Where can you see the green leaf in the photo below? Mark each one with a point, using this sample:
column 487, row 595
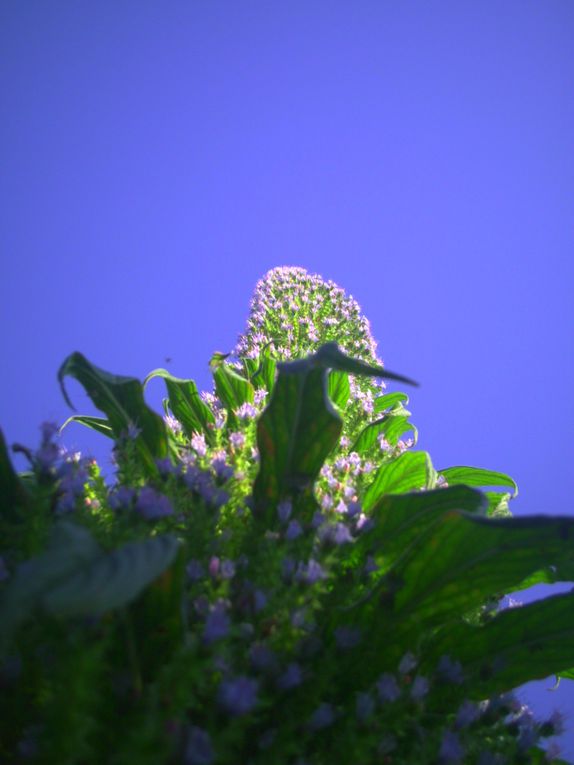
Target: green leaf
column 232, row 389
column 13, row 495
column 472, row 476
column 122, row 400
column 70, row 547
column 389, row 401
column 408, row 472
column 99, row 424
column 463, row 559
column 186, row 405
column 261, row 371
column 398, row 519
column 339, row 388
column 113, row 580
column 518, row 645
column 295, row 434
column 330, row 356
column 391, row 426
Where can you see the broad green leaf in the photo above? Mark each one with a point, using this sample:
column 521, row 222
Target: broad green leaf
column 566, row 673
column 391, row 426
column 157, row 616
column 520, row 644
column 261, row 371
column 408, row 472
column 339, row 388
column 400, row 518
column 70, row 547
column 186, row 404
column 463, row 559
column 99, row 424
column 472, row 476
column 13, row 495
column 389, row 401
column 295, row 434
column 122, row 400
column 112, row 580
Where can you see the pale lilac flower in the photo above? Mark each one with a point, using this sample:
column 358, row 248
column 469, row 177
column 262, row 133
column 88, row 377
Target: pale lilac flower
column 133, row 431
column 326, row 502
column 387, row 688
column 239, row 695
column 152, row 505
column 322, row 717
column 198, row 443
column 451, row 749
column 198, row 747
column 260, row 395
column 246, row 411
column 237, row 439
column 173, row 424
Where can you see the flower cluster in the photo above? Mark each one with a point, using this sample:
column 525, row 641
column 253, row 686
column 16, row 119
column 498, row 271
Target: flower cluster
column 249, row 647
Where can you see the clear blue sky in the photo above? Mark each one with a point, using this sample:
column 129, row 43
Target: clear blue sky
column 158, row 158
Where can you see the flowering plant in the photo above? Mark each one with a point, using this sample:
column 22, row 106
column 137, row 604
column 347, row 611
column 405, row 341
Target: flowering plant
column 274, row 574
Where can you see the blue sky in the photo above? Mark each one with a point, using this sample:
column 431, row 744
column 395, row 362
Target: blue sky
column 158, row 158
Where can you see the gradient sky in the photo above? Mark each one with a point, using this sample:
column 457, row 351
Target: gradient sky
column 158, row 158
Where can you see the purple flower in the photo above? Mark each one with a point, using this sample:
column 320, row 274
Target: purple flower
column 227, row 570
column 407, row 663
column 198, row 443
column 194, row 570
column 294, row 530
column 198, row 747
column 173, row 424
column 419, row 688
column 66, row 503
column 121, row 497
column 222, row 470
column 365, row 706
column 388, row 688
column 450, row 671
column 322, row 717
column 467, row 714
column 335, row 533
column 246, row 411
column 284, row 510
column 238, row 696
column 237, row 440
column 450, row 749
column 310, row 573
column 216, row 624
column 347, row 637
column 292, row 677
column 152, row 505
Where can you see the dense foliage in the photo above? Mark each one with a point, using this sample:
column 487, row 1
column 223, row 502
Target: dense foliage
column 274, row 575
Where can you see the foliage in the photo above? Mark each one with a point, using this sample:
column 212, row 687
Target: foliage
column 274, row 575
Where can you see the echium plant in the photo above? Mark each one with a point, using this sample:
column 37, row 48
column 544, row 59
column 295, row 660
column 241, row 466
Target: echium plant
column 274, row 575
